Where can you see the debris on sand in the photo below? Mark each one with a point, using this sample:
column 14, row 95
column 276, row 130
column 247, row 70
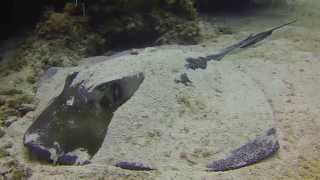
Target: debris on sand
column 133, row 166
column 184, row 79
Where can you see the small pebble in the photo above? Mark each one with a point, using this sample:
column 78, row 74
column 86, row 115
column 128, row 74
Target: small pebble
column 134, row 52
column 184, row 79
column 183, row 155
column 285, row 148
column 10, row 120
column 8, row 145
column 25, row 108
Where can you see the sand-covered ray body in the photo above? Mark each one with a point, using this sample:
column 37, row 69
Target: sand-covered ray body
column 164, row 124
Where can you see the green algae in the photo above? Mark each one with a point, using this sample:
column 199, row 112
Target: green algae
column 163, row 21
column 5, row 91
column 12, row 103
column 173, row 29
column 3, row 153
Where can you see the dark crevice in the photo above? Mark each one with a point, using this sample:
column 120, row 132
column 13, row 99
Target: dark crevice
column 222, row 5
column 234, row 6
column 17, row 16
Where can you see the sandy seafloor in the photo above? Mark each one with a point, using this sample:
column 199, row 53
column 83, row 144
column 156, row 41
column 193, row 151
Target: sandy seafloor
column 279, row 79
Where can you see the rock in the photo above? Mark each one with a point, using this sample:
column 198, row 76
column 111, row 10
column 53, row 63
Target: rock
column 16, row 170
column 4, row 153
column 7, row 145
column 25, row 108
column 134, row 52
column 184, row 79
column 10, row 120
column 2, row 132
column 252, row 152
column 168, row 21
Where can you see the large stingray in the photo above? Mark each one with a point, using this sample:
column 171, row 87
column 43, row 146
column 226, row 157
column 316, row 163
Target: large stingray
column 218, row 110
column 71, row 129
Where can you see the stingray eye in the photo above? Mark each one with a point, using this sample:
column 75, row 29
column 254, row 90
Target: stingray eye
column 70, row 101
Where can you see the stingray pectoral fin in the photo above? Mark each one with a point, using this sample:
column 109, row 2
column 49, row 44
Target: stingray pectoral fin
column 39, row 151
column 254, row 151
column 73, row 159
